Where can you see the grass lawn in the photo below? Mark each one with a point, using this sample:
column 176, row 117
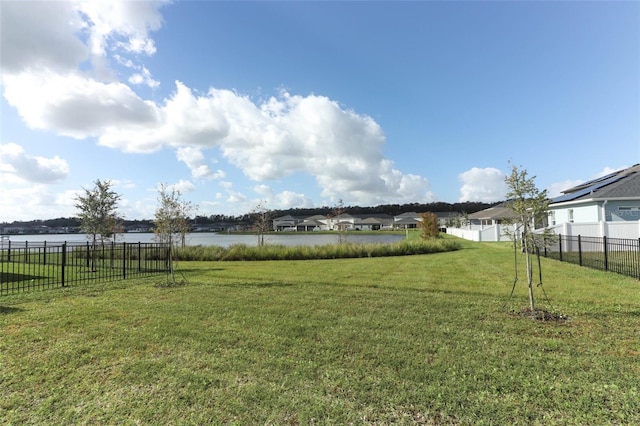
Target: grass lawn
column 422, row 339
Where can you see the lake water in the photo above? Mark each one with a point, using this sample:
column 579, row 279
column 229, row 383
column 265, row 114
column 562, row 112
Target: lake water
column 225, row 240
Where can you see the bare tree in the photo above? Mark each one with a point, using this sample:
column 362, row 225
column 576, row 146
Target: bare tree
column 262, row 222
column 98, row 214
column 531, row 207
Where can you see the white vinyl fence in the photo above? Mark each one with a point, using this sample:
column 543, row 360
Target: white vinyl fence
column 483, row 232
column 626, row 229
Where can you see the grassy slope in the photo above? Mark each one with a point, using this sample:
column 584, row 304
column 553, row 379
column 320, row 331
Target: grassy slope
column 406, row 340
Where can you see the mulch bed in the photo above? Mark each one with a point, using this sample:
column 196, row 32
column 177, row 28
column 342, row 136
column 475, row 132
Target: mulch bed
column 541, row 315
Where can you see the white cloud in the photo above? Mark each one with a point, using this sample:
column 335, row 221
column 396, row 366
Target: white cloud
column 34, row 201
column 194, row 159
column 264, row 191
column 75, row 106
column 50, row 84
column 236, row 197
column 143, row 78
column 483, row 185
column 28, row 43
column 291, row 199
column 182, row 186
column 555, row 189
column 124, row 183
column 281, row 200
column 28, row 168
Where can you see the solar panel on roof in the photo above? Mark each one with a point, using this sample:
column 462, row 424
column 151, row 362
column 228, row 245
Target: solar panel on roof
column 607, row 180
column 592, row 182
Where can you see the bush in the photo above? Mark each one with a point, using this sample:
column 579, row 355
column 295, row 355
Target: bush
column 328, row 251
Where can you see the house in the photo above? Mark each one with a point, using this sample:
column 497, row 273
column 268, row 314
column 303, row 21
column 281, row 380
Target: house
column 345, row 222
column 495, row 215
column 407, row 220
column 287, row 223
column 313, row 223
column 372, row 223
column 606, row 206
column 490, row 224
column 611, row 198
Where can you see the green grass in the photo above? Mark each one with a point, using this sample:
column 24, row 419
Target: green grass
column 416, row 339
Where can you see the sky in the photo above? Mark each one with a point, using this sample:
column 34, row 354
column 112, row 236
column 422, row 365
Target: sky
column 289, row 104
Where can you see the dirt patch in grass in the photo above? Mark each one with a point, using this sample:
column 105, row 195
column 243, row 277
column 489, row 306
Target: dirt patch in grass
column 541, row 315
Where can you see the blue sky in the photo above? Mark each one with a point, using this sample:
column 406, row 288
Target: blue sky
column 301, row 104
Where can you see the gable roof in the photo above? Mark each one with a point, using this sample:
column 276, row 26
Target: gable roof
column 497, row 212
column 624, row 183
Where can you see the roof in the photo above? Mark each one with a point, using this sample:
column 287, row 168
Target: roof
column 497, row 212
column 288, row 217
column 407, row 214
column 624, row 183
column 370, row 221
column 407, row 221
column 310, row 222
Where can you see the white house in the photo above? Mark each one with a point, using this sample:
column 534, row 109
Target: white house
column 609, row 205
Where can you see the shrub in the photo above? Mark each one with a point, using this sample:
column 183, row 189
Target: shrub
column 328, row 251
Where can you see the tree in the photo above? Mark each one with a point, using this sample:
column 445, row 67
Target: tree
column 530, row 206
column 172, row 217
column 98, row 214
column 261, row 222
column 337, row 213
column 171, row 223
column 429, row 227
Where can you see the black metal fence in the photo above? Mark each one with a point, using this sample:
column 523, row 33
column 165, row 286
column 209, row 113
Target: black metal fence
column 28, row 266
column 608, row 254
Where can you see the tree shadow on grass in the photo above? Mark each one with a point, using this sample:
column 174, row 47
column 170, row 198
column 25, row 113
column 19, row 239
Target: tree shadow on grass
column 258, row 284
column 10, row 277
column 9, row 310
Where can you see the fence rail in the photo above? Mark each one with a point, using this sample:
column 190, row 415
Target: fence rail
column 29, row 266
column 620, row 255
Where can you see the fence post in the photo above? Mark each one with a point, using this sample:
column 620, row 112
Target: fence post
column 9, row 252
column 44, row 254
column 560, row 246
column 139, row 256
column 26, row 252
column 124, row 260
column 64, row 260
column 579, row 250
column 606, row 253
column 88, row 254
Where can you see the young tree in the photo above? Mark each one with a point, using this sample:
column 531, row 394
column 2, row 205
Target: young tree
column 429, row 227
column 530, row 206
column 337, row 213
column 261, row 222
column 98, row 213
column 172, row 217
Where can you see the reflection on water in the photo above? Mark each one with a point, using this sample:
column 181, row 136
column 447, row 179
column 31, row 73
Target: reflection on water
column 225, row 240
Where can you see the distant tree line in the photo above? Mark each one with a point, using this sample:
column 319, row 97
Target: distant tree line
column 248, row 218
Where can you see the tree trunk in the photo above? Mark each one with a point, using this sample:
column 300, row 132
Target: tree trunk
column 527, row 254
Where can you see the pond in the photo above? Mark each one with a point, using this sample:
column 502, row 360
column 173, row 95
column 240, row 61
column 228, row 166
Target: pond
column 226, row 240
